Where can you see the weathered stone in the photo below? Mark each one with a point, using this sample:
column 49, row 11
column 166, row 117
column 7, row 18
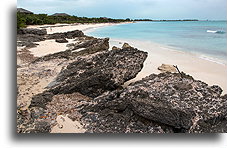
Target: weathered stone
column 109, row 114
column 185, row 104
column 39, row 32
column 94, row 75
column 93, row 43
column 167, row 68
column 68, row 35
column 30, row 38
column 62, row 40
column 115, row 48
column 126, row 45
column 41, row 100
column 172, row 100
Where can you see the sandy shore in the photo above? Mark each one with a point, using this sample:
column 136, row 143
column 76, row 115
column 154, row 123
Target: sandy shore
column 201, row 69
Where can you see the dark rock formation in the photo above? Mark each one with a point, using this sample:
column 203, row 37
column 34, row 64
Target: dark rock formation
column 110, row 114
column 68, row 35
column 41, row 100
column 169, row 99
column 62, row 40
column 93, row 43
column 39, row 32
column 30, row 38
column 105, row 71
column 175, row 104
column 27, row 37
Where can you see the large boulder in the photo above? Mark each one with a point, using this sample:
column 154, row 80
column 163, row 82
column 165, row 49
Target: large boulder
column 176, row 100
column 96, row 74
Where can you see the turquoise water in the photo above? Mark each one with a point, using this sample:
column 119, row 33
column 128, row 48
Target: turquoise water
column 191, row 37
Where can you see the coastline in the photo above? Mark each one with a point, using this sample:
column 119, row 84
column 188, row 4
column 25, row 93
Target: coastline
column 199, row 67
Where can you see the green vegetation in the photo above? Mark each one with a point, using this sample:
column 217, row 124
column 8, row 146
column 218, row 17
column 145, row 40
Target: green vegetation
column 39, row 19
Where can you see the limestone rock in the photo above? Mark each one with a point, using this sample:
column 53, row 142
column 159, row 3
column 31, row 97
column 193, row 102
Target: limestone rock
column 167, row 68
column 39, row 32
column 126, row 45
column 94, row 75
column 68, row 35
column 185, row 104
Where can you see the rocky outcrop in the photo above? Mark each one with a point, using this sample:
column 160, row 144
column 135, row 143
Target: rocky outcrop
column 109, row 113
column 182, row 103
column 68, row 35
column 167, row 68
column 96, row 74
column 94, row 43
column 39, row 32
column 27, row 36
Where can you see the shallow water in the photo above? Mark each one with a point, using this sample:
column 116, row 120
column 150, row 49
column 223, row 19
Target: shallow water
column 199, row 37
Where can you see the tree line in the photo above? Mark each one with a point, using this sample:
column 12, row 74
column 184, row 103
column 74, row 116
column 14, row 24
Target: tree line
column 40, row 19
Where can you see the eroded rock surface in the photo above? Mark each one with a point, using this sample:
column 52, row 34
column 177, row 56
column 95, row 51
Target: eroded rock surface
column 96, row 74
column 182, row 103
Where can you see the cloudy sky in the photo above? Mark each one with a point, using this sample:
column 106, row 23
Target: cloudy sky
column 154, row 9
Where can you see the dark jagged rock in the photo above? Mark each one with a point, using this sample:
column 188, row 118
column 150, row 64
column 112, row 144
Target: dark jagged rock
column 30, row 38
column 109, row 114
column 68, row 35
column 100, row 45
column 39, row 32
column 105, row 71
column 27, row 37
column 179, row 104
column 175, row 101
column 40, row 127
column 40, row 100
column 93, row 43
column 62, row 40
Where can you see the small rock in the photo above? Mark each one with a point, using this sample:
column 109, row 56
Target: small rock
column 167, row 68
column 62, row 40
column 115, row 48
column 126, row 45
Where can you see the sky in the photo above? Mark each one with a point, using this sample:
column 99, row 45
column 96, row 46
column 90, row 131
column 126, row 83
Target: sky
column 152, row 9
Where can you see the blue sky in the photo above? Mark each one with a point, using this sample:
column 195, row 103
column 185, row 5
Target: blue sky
column 153, row 9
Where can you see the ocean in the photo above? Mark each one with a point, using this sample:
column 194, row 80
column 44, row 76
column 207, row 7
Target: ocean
column 208, row 39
